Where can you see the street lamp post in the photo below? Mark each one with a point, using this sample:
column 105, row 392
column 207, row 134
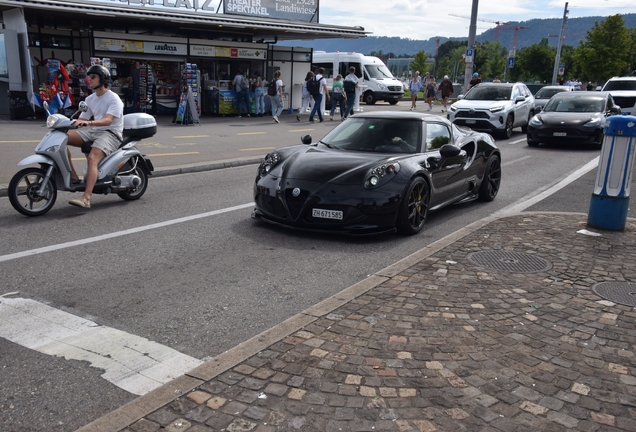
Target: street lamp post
column 557, row 59
column 472, row 33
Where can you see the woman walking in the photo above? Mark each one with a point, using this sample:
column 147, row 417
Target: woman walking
column 277, row 99
column 339, row 97
column 259, row 94
column 431, row 88
column 414, row 87
column 306, row 96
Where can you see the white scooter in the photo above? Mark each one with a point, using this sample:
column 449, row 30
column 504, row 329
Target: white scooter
column 33, row 191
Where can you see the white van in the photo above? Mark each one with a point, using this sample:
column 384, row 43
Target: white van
column 376, row 81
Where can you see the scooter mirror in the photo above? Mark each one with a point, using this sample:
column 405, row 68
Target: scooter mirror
column 83, row 107
column 45, row 105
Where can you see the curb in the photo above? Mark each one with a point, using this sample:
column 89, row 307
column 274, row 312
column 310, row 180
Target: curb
column 142, row 406
column 184, row 169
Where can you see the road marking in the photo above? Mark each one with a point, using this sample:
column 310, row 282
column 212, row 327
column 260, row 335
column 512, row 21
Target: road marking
column 192, row 136
column 258, row 149
column 132, row 363
column 515, row 161
column 21, row 141
column 301, row 130
column 251, row 133
column 533, row 198
column 88, row 240
column 518, row 141
column 173, row 154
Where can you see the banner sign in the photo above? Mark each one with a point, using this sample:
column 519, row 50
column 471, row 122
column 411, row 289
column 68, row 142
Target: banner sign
column 294, row 10
column 226, row 52
column 165, row 48
column 118, row 45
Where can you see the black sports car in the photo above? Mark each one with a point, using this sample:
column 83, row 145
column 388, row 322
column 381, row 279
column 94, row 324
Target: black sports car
column 572, row 118
column 376, row 172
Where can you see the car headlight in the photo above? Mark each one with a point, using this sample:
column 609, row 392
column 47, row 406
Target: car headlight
column 269, row 161
column 381, row 174
column 594, row 122
column 536, row 121
column 497, row 108
column 453, row 108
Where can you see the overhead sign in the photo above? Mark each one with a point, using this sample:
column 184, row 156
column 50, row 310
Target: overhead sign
column 469, row 56
column 239, row 53
column 511, row 62
column 120, row 45
column 183, row 5
column 294, row 10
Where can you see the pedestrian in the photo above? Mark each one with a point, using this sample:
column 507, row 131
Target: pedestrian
column 133, row 82
column 318, row 98
column 259, row 94
column 223, row 75
column 104, row 134
column 446, row 88
column 339, row 97
column 277, row 99
column 474, row 81
column 589, row 86
column 414, row 87
column 431, row 89
column 241, row 85
column 496, row 80
column 306, row 96
column 350, row 85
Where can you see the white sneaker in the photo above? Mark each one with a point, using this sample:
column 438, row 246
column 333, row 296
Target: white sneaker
column 276, row 119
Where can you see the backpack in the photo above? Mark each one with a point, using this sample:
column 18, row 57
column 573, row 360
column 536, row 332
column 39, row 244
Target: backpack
column 244, row 84
column 313, row 85
column 271, row 88
column 349, row 86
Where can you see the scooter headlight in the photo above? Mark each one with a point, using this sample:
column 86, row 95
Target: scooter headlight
column 52, row 120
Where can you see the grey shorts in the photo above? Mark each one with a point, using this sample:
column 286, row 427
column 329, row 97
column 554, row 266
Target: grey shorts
column 104, row 140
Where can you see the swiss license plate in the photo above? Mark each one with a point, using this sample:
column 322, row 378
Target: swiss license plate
column 471, row 121
column 559, row 134
column 326, row 214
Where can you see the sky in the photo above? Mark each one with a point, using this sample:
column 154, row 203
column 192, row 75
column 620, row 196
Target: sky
column 423, row 19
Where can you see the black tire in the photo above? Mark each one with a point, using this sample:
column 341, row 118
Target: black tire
column 393, row 102
column 22, row 192
column 135, row 194
column 507, row 132
column 492, row 179
column 369, row 98
column 414, row 207
column 524, row 128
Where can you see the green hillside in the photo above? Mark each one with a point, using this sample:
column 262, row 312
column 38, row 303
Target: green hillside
column 538, row 29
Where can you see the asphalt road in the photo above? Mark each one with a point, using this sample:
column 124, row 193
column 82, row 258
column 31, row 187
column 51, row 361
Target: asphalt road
column 203, row 285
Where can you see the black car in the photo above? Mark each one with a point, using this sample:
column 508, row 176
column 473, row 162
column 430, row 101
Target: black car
column 572, row 118
column 376, row 172
column 544, row 94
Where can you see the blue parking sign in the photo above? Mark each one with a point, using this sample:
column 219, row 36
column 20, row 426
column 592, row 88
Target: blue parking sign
column 511, row 62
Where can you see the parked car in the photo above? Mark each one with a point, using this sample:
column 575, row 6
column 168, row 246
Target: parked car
column 545, row 93
column 376, row 172
column 572, row 118
column 623, row 91
column 494, row 107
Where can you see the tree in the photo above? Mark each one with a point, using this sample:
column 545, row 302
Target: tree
column 606, row 51
column 492, row 60
column 419, row 62
column 534, row 63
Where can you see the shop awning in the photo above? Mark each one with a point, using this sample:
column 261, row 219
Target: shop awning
column 259, row 28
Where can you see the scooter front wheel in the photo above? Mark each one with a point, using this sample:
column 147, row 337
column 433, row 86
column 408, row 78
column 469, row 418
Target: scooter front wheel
column 23, row 192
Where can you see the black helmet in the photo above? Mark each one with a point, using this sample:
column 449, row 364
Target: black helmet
column 102, row 72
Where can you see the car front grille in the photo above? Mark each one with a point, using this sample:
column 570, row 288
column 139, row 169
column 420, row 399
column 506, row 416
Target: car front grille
column 295, row 204
column 474, row 114
column 272, row 206
column 394, row 88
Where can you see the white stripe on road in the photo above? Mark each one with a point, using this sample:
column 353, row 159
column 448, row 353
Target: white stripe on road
column 518, row 141
column 515, row 161
column 535, row 197
column 119, row 233
column 132, row 363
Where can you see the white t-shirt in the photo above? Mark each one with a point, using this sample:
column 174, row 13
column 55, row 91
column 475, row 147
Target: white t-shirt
column 322, row 81
column 279, row 87
column 99, row 106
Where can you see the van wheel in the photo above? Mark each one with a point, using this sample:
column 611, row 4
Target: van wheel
column 393, row 102
column 369, row 98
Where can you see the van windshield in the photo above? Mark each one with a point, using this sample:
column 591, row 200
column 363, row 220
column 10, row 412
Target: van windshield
column 378, row 71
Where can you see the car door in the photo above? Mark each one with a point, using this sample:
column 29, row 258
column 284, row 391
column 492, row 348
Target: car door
column 447, row 174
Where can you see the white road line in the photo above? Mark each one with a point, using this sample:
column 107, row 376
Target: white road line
column 518, row 141
column 132, row 363
column 119, row 233
column 515, row 161
column 533, row 198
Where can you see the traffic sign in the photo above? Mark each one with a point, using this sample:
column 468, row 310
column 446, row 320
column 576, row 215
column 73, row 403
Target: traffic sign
column 511, row 62
column 561, row 70
column 469, row 56
column 562, row 65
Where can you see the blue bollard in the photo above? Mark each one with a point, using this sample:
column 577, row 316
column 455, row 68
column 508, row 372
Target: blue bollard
column 610, row 200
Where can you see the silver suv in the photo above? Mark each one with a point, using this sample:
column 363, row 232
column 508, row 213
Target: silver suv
column 494, row 107
column 623, row 91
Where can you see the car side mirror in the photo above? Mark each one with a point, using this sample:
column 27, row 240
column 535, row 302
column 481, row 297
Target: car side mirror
column 520, row 99
column 538, row 109
column 306, row 139
column 461, row 96
column 615, row 110
column 449, row 150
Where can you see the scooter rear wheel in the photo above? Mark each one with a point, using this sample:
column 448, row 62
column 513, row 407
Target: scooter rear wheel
column 135, row 194
column 23, row 192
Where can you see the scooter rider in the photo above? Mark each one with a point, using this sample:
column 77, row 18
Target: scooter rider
column 105, row 133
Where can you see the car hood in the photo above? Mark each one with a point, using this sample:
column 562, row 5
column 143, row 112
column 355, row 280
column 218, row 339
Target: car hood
column 324, row 165
column 482, row 105
column 570, row 119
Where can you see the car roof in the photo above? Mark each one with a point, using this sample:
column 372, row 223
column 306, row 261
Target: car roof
column 579, row 94
column 626, row 78
column 550, row 87
column 491, row 84
column 400, row 115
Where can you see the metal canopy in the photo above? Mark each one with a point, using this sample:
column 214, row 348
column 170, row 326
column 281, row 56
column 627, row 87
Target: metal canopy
column 258, row 28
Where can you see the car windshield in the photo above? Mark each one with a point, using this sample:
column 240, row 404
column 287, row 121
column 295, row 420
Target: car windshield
column 376, row 135
column 547, row 93
column 489, row 93
column 620, row 85
column 378, row 71
column 577, row 104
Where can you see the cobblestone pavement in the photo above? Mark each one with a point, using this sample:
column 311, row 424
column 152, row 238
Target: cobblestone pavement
column 448, row 343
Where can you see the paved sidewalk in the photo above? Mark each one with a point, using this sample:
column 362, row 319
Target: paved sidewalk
column 493, row 328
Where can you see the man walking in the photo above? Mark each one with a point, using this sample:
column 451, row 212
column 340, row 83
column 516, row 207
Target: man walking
column 318, row 97
column 446, row 88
